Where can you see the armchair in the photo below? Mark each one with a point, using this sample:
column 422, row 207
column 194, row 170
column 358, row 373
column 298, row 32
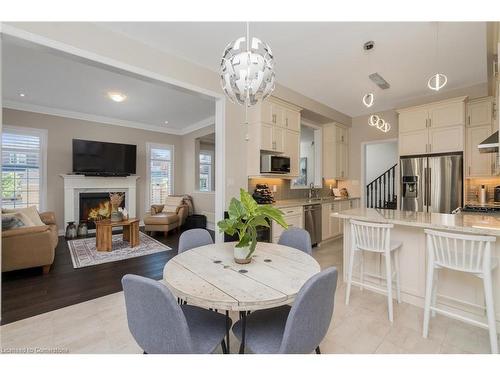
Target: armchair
column 28, row 247
column 165, row 217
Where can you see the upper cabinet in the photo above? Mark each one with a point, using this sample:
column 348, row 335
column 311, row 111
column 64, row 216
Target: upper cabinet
column 480, row 112
column 335, row 151
column 273, row 127
column 291, row 120
column 479, row 127
column 432, row 128
column 413, row 119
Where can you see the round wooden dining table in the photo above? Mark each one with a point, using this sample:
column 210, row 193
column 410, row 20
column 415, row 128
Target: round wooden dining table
column 208, row 276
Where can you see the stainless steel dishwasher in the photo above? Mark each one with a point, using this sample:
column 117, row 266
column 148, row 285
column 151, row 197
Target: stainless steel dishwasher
column 312, row 222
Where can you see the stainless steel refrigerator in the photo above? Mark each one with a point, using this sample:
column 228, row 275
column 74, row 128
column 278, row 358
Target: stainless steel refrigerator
column 432, row 183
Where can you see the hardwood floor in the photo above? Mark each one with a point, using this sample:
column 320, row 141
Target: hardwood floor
column 26, row 293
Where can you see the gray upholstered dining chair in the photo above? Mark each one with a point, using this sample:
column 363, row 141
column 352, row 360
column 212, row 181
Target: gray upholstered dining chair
column 159, row 325
column 194, row 238
column 293, row 330
column 297, row 238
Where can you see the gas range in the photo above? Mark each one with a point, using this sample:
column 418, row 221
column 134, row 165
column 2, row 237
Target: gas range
column 490, row 208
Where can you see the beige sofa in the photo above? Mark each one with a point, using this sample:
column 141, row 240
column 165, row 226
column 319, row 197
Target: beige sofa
column 165, row 217
column 28, row 247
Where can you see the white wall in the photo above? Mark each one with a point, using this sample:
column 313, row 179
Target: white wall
column 379, row 157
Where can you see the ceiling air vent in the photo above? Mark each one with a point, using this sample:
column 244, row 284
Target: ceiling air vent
column 379, row 81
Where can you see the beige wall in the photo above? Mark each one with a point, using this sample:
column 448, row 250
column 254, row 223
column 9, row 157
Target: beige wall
column 203, row 201
column 62, row 130
column 90, row 39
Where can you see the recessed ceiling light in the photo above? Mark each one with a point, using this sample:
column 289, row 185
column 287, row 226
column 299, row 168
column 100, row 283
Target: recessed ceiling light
column 117, row 96
column 166, row 122
column 22, row 94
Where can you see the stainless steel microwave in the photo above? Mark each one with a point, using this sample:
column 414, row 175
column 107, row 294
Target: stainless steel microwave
column 274, row 164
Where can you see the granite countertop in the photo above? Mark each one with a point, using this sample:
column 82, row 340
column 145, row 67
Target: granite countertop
column 286, row 203
column 485, row 224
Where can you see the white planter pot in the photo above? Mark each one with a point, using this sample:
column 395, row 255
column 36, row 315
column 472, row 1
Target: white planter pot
column 241, row 253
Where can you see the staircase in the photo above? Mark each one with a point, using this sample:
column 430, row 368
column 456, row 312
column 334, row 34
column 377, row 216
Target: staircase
column 381, row 192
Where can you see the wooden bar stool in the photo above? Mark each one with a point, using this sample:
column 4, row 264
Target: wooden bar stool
column 464, row 253
column 375, row 238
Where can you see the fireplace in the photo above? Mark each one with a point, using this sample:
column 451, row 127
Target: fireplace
column 95, row 206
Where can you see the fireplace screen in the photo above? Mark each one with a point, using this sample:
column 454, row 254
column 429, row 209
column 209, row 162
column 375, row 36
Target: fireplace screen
column 94, row 207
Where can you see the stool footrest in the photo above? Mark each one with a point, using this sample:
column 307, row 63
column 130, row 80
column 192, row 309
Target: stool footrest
column 370, row 287
column 459, row 317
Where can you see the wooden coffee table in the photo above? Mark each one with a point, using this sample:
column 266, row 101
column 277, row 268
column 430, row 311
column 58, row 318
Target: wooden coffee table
column 104, row 233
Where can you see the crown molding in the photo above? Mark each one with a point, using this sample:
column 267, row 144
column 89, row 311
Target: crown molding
column 12, row 104
column 209, row 121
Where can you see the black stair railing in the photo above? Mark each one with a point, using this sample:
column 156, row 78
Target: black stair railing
column 381, row 192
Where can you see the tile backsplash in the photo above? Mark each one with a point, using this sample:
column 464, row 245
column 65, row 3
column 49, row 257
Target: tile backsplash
column 472, row 186
column 284, row 191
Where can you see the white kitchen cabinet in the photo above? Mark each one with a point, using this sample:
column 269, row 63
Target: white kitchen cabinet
column 480, row 112
column 332, row 226
column 268, row 112
column 414, row 142
column 341, row 135
column 325, row 221
column 446, row 139
column 477, row 164
column 266, row 137
column 291, row 120
column 270, row 127
column 445, row 114
column 432, row 128
column 328, row 150
column 278, row 139
column 335, row 151
column 292, row 149
column 341, row 160
column 293, row 216
column 412, row 120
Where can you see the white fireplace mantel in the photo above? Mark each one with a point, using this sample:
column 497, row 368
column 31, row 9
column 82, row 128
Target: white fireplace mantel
column 75, row 184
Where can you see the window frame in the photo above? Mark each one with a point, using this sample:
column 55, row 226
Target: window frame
column 43, row 135
column 210, row 173
column 149, row 146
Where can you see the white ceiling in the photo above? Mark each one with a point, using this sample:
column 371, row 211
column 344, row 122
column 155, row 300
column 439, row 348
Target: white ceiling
column 326, row 62
column 55, row 83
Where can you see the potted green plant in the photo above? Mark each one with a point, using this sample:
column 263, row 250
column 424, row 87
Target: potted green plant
column 245, row 215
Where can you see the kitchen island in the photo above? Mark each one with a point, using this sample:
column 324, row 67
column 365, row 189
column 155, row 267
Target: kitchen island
column 457, row 292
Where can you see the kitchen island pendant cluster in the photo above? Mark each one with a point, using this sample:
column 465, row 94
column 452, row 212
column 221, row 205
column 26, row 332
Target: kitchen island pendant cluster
column 379, row 122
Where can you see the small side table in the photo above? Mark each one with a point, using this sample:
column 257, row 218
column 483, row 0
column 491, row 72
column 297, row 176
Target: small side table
column 104, row 233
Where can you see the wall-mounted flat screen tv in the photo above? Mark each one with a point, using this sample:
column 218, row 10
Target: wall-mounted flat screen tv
column 94, row 158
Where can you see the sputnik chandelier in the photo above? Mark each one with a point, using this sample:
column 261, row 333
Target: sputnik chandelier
column 379, row 122
column 247, row 70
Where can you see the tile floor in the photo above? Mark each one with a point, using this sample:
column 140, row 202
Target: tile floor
column 100, row 326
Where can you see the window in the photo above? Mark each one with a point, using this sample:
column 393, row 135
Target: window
column 23, row 167
column 205, row 171
column 160, row 172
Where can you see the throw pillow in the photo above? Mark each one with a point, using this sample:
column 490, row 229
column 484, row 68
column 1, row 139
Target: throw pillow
column 15, row 220
column 172, row 203
column 31, row 212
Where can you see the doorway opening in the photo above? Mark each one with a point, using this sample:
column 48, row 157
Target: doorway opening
column 380, row 174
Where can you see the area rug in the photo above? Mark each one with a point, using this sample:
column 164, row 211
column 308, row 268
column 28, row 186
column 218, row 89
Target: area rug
column 84, row 253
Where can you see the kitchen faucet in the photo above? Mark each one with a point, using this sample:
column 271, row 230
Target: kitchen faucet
column 312, row 191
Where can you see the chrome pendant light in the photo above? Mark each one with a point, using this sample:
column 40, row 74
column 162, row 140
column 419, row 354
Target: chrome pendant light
column 247, row 70
column 438, row 80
